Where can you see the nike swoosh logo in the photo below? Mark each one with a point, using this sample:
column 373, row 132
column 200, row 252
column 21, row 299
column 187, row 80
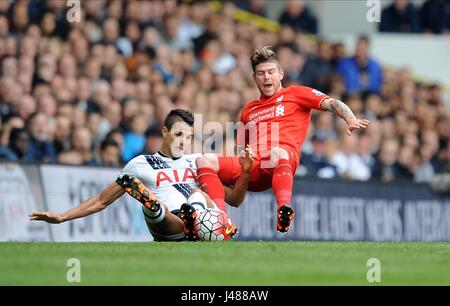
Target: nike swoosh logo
column 228, row 230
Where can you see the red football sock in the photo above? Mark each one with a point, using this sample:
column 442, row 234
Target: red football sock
column 208, row 179
column 282, row 182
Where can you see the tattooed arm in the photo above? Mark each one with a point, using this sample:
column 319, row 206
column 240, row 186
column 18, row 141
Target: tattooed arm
column 343, row 111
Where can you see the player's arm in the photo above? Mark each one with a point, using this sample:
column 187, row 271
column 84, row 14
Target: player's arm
column 90, row 206
column 343, row 111
column 235, row 195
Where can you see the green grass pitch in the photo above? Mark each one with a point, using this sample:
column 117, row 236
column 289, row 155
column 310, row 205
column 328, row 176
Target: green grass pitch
column 225, row 263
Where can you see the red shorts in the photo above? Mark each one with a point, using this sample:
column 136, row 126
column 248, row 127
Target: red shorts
column 260, row 175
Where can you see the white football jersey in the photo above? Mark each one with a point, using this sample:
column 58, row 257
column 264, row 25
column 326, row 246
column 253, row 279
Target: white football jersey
column 170, row 179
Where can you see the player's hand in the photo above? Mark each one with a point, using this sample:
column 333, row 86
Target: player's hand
column 355, row 124
column 246, row 159
column 47, row 216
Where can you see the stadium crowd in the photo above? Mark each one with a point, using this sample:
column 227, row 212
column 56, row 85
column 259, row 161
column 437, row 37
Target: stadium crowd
column 96, row 92
column 405, row 16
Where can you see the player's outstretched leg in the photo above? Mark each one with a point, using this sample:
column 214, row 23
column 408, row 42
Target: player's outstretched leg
column 282, row 184
column 163, row 225
column 135, row 188
column 207, row 168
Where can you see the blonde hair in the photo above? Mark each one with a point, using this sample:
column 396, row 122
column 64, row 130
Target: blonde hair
column 262, row 55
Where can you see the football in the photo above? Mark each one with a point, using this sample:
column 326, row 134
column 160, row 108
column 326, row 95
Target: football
column 213, row 225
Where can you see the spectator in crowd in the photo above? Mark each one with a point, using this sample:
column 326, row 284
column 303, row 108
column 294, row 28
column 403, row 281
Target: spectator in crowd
column 46, row 69
column 4, row 26
column 108, row 155
column 325, row 126
column 8, row 125
column 117, row 136
column 25, row 107
column 319, row 69
column 298, row 16
column 82, row 146
column 257, row 7
column 112, row 114
column 400, row 16
column 292, row 63
column 442, row 130
column 18, row 146
column 154, row 140
column 83, row 96
column 348, row 162
column 47, row 105
column 435, row 16
column 317, row 162
column 366, row 149
column 361, row 72
column 430, row 138
column 215, row 58
column 134, row 140
column 407, row 161
column 173, row 37
column 386, row 167
column 424, row 170
column 62, row 134
column 98, row 128
column 40, row 147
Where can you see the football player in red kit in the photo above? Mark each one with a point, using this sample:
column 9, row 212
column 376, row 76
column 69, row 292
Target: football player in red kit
column 277, row 125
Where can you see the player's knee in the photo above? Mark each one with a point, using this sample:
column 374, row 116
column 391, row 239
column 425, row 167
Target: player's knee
column 194, row 190
column 207, row 161
column 278, row 153
column 201, row 162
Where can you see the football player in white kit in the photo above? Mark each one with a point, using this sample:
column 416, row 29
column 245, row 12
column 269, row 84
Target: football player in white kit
column 165, row 183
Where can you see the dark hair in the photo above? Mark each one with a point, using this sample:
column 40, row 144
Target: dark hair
column 14, row 134
column 364, row 38
column 153, row 131
column 262, row 55
column 178, row 115
column 108, row 142
column 113, row 131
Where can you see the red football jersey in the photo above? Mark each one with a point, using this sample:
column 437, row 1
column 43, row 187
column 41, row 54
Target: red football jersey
column 281, row 120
